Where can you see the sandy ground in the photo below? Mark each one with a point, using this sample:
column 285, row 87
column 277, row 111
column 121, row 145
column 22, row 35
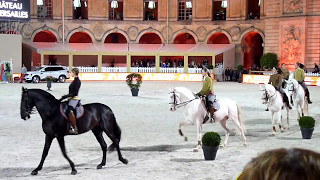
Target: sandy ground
column 150, row 139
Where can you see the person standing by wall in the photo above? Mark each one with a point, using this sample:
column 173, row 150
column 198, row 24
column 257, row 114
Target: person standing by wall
column 23, row 73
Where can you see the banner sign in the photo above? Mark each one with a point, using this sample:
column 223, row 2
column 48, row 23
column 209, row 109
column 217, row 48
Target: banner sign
column 15, row 10
column 263, row 79
column 145, row 76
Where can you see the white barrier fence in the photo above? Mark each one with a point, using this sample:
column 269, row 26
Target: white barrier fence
column 113, row 69
column 143, row 69
column 138, row 69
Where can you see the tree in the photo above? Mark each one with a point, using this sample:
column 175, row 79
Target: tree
column 269, row 60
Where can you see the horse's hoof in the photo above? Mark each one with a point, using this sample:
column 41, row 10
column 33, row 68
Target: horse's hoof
column 74, row 172
column 99, row 166
column 245, row 144
column 185, row 138
column 221, row 145
column 195, row 150
column 273, row 134
column 34, row 172
column 124, row 161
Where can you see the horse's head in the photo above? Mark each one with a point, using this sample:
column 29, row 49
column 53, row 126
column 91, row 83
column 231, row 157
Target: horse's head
column 174, row 99
column 267, row 92
column 26, row 105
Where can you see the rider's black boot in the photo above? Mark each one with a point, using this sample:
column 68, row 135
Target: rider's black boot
column 308, row 96
column 286, row 100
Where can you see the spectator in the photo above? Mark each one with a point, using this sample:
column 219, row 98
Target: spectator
column 284, row 164
column 23, row 73
column 316, row 68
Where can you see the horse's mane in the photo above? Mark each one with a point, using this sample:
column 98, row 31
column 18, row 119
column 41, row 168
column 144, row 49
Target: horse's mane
column 43, row 93
column 188, row 93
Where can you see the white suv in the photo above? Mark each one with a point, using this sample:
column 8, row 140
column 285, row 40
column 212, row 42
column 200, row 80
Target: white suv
column 59, row 73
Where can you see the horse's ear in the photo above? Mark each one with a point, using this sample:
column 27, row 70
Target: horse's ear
column 262, row 87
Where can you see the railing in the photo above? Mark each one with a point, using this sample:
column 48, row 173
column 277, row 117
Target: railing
column 87, row 69
column 138, row 69
column 171, row 70
column 312, row 74
column 113, row 69
column 143, row 69
column 194, row 70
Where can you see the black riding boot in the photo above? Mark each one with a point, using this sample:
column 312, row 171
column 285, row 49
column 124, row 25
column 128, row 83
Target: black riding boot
column 286, row 100
column 212, row 113
column 308, row 96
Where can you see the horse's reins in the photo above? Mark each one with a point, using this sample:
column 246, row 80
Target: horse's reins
column 178, row 105
column 269, row 98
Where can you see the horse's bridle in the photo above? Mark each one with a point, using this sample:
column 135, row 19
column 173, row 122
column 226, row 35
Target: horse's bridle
column 26, row 104
column 294, row 90
column 178, row 105
column 268, row 98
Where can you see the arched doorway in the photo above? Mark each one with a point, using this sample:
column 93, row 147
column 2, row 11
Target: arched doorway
column 218, row 38
column 115, row 38
column 252, row 50
column 184, row 38
column 80, row 37
column 44, row 36
column 150, row 38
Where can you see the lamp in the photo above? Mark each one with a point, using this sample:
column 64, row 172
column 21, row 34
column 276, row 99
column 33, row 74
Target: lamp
column 224, row 4
column 188, row 5
column 151, row 5
column 259, row 2
column 114, row 4
column 40, row 2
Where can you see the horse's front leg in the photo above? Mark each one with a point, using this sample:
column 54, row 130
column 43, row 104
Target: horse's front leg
column 223, row 123
column 199, row 136
column 63, row 149
column 280, row 123
column 44, row 154
column 288, row 117
column 186, row 123
column 273, row 126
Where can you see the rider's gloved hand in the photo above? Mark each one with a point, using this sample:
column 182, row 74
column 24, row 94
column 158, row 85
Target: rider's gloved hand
column 198, row 94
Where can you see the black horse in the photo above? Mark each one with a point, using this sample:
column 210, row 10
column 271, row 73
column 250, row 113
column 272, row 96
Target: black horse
column 97, row 117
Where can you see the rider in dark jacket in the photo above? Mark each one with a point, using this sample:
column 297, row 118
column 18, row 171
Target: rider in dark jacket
column 73, row 99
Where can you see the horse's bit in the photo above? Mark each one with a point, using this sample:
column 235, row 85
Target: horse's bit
column 268, row 98
column 178, row 105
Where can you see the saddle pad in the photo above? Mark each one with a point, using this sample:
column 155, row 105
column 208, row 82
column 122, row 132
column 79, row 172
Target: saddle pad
column 64, row 107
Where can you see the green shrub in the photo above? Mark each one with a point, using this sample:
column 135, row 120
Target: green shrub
column 211, row 139
column 209, row 66
column 239, row 68
column 134, row 77
column 269, row 60
column 306, row 122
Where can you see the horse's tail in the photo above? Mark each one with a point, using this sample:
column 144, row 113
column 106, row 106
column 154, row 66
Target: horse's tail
column 117, row 133
column 240, row 121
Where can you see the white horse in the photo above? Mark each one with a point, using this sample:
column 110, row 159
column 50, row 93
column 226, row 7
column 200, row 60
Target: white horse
column 299, row 99
column 195, row 112
column 273, row 99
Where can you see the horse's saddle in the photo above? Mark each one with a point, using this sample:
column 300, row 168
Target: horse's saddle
column 215, row 104
column 79, row 110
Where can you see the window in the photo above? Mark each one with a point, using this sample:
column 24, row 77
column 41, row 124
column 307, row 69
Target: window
column 44, row 8
column 115, row 10
column 219, row 8
column 150, row 8
column 184, row 10
column 80, row 9
column 253, row 9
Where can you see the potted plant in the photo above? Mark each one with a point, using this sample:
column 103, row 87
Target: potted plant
column 134, row 81
column 8, row 72
column 210, row 145
column 269, row 60
column 306, row 124
column 49, row 80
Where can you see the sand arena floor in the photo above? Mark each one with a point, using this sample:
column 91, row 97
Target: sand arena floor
column 150, row 139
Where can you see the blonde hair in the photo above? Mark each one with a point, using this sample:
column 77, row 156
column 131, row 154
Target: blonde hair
column 284, row 164
column 75, row 71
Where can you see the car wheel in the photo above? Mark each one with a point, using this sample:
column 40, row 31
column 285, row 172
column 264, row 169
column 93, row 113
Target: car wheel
column 62, row 79
column 35, row 79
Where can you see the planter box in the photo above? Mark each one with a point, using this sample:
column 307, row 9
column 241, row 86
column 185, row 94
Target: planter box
column 210, row 152
column 134, row 92
column 306, row 133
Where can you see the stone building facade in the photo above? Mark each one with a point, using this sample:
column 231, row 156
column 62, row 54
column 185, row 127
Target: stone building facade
column 289, row 28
